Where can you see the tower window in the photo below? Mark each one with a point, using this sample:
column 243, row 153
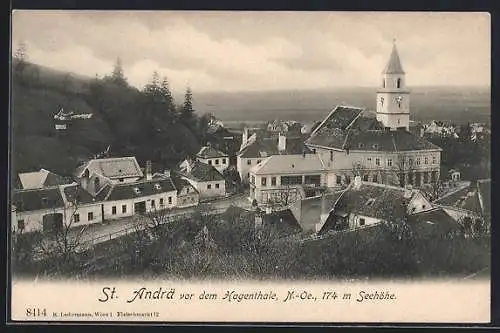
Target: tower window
column 398, row 83
column 383, row 84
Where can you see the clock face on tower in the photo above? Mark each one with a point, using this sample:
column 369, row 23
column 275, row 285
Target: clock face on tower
column 399, row 99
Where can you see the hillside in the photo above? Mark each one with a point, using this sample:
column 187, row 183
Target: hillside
column 120, row 119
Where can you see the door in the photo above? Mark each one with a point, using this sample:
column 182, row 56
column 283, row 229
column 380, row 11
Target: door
column 52, row 222
column 140, row 207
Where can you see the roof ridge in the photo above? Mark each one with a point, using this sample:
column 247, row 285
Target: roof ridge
column 355, row 118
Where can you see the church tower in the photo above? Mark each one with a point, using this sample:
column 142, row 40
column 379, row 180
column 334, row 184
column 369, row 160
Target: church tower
column 393, row 99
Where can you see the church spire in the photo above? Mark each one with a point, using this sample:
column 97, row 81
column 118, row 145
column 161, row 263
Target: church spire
column 394, row 64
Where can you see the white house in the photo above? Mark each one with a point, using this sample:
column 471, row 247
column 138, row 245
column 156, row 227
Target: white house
column 283, row 179
column 203, row 177
column 211, row 156
column 258, row 147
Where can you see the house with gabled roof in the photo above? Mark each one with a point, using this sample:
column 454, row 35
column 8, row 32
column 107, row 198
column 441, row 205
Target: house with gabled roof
column 259, row 146
column 187, row 194
column 364, row 204
column 214, row 157
column 117, row 169
column 379, row 145
column 203, row 177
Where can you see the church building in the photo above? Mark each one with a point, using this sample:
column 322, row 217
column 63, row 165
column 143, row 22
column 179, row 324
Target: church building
column 377, row 146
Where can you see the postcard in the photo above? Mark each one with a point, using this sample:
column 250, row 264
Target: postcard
column 250, row 167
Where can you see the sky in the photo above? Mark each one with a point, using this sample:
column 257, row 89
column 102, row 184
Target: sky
column 236, row 51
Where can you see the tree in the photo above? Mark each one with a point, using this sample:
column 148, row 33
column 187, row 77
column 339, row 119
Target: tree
column 61, row 244
column 403, row 167
column 187, row 115
column 117, row 76
column 21, row 58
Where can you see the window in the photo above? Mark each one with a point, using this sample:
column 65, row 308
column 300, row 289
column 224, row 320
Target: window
column 331, row 155
column 124, row 208
column 76, row 218
column 339, row 180
column 398, row 83
column 96, row 182
column 258, row 161
column 291, row 180
column 423, row 206
column 20, row 224
column 169, row 200
column 361, row 222
column 209, row 186
column 273, row 181
column 217, row 185
column 348, row 179
column 120, row 180
column 312, row 179
column 389, row 162
column 365, row 178
column 90, row 216
column 375, row 179
column 314, row 150
column 113, row 210
column 217, row 161
column 434, row 159
column 209, row 162
column 418, row 160
column 223, row 161
column 426, row 160
column 263, row 181
column 383, row 86
column 369, row 160
column 377, row 161
column 153, row 204
column 249, row 162
column 253, row 179
column 161, row 202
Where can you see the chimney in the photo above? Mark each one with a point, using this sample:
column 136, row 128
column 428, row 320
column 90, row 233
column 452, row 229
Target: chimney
column 357, row 182
column 281, row 142
column 166, row 173
column 148, row 171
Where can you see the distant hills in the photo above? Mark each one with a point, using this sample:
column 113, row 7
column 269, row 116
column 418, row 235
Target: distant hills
column 39, row 94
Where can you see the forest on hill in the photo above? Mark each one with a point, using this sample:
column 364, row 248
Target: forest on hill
column 147, row 123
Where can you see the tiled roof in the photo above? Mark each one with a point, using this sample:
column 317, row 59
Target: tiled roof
column 210, row 152
column 201, row 172
column 145, row 187
column 289, row 164
column 180, row 183
column 394, row 64
column 36, row 199
column 39, row 179
column 358, row 129
column 267, row 146
column 74, row 193
column 374, row 200
column 466, row 198
column 112, row 167
column 432, row 222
